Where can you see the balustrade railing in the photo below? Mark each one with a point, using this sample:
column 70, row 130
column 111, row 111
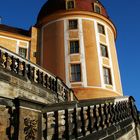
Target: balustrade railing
column 86, row 118
column 23, row 67
column 102, row 119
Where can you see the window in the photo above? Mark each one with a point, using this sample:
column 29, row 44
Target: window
column 70, row 4
column 75, row 72
column 107, row 76
column 22, row 52
column 104, row 50
column 97, row 9
column 101, row 29
column 73, row 24
column 74, row 47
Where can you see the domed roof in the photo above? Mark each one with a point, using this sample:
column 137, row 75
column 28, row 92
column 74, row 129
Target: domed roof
column 53, row 6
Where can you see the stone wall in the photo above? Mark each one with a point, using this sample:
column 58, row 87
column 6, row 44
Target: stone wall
column 13, row 86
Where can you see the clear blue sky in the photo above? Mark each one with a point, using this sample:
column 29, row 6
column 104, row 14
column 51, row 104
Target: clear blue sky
column 124, row 13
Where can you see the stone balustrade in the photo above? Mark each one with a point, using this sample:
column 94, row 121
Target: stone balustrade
column 100, row 119
column 34, row 73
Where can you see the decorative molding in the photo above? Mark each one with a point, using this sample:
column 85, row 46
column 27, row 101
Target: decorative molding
column 82, row 57
column 30, row 128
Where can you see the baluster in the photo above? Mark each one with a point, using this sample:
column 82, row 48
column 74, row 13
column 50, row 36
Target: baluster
column 92, row 116
column 53, row 85
column 17, row 66
column 65, row 96
column 7, row 62
column 71, row 129
column 125, row 110
column 89, row 126
column 56, row 125
column 128, row 112
column 20, row 70
column 120, row 111
column 46, row 81
column 38, row 76
column 63, row 92
column 57, row 86
column 75, row 132
column 13, row 64
column 61, row 124
column 86, row 120
column 50, row 83
column 42, row 78
column 5, row 59
column 66, row 134
column 83, row 121
column 45, row 125
column 107, row 114
column 31, row 72
column 79, row 122
column 116, row 113
column 103, row 117
column 112, row 113
column 24, row 69
column 51, row 125
column 1, row 59
column 97, row 117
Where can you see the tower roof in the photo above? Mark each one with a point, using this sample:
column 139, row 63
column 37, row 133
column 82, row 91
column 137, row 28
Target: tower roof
column 53, row 6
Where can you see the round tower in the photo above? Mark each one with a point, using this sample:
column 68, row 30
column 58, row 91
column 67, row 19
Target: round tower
column 78, row 45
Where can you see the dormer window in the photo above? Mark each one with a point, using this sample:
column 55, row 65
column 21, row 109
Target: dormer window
column 97, row 9
column 69, row 4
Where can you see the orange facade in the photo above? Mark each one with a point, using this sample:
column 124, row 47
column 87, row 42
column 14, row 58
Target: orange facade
column 56, row 56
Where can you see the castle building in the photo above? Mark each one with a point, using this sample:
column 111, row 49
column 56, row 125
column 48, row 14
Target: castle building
column 75, row 40
column 69, row 51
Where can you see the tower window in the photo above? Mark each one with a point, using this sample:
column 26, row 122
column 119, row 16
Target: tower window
column 97, row 9
column 73, row 24
column 104, row 50
column 22, row 52
column 107, row 76
column 75, row 72
column 101, row 29
column 70, row 4
column 74, row 47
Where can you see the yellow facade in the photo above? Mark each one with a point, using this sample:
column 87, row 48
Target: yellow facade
column 14, row 41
